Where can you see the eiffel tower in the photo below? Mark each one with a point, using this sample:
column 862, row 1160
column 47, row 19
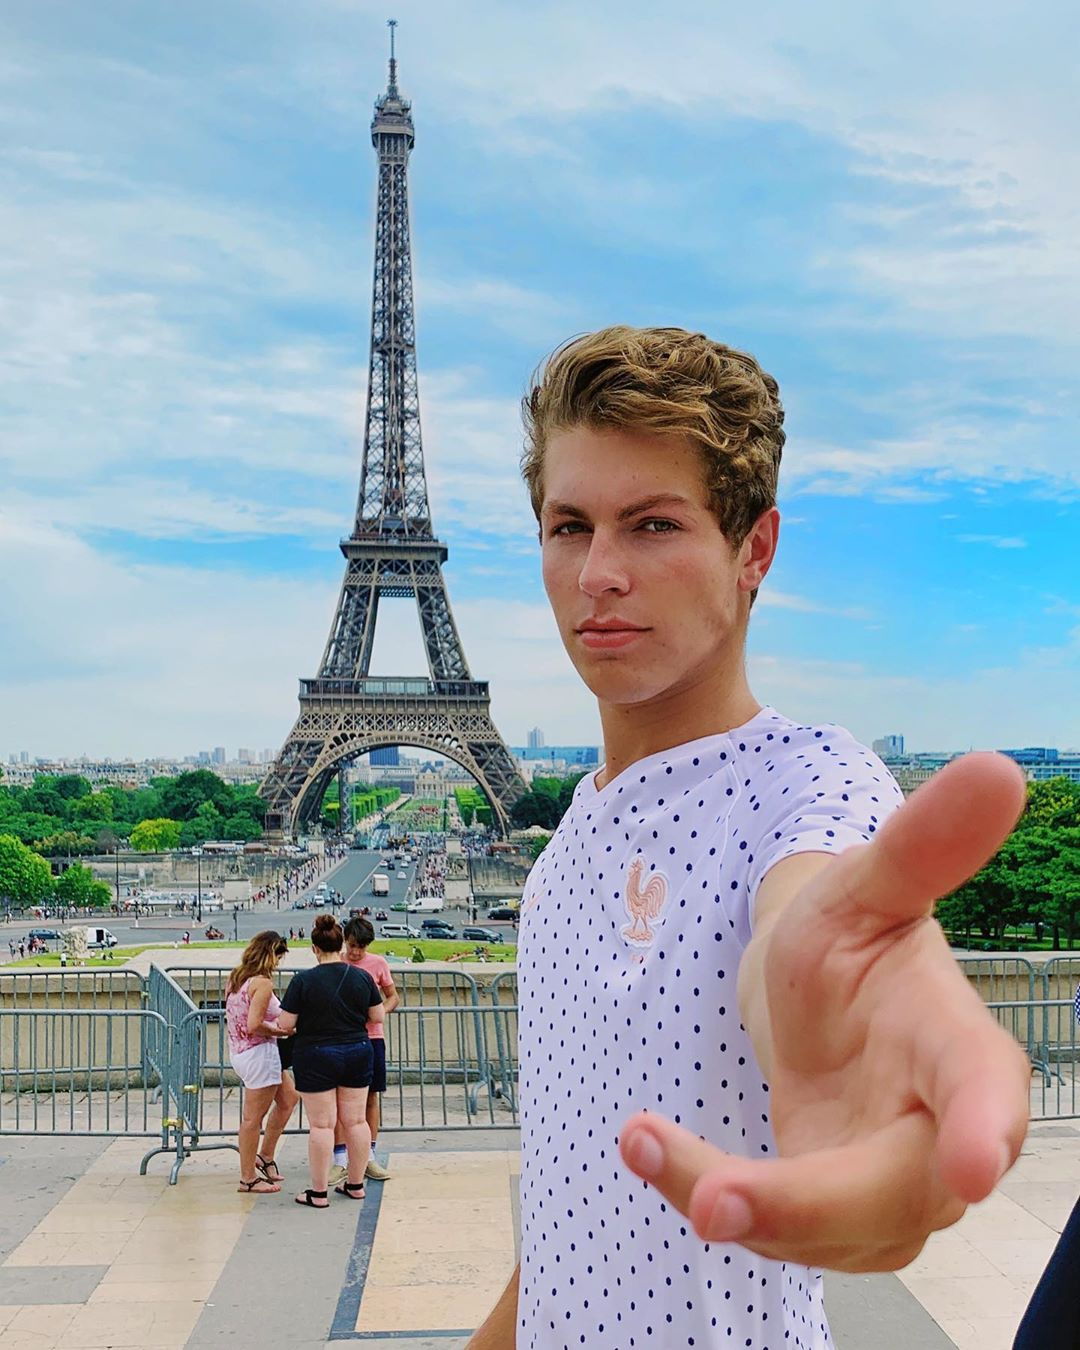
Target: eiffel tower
column 392, row 552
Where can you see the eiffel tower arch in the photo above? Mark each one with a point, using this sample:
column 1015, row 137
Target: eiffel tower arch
column 392, row 552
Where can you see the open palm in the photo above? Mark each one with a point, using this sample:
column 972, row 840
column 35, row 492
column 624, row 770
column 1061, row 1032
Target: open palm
column 896, row 1099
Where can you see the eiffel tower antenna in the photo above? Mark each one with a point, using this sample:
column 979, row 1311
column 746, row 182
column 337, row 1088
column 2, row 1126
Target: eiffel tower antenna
column 392, row 551
column 392, row 83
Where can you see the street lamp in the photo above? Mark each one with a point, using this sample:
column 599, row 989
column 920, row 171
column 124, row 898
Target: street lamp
column 197, row 855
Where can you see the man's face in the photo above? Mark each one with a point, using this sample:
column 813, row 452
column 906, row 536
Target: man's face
column 649, row 596
column 353, row 951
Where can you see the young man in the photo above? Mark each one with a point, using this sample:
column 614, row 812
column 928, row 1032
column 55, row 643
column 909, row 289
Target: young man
column 768, row 1027
column 359, row 935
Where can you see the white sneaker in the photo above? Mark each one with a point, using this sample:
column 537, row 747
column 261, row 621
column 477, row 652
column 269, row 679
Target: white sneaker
column 337, row 1173
column 376, row 1171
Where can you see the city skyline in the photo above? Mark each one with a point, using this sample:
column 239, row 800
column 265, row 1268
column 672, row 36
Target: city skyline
column 188, row 322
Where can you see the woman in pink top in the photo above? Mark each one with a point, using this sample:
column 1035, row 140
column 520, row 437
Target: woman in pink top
column 359, row 935
column 251, row 1010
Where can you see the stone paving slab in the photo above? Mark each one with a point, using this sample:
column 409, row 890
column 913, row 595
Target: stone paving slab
column 198, row 1266
column 49, row 1284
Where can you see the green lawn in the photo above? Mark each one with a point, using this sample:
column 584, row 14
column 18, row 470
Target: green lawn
column 432, row 949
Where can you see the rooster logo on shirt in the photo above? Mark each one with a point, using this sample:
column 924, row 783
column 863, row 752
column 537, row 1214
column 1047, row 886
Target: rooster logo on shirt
column 643, row 903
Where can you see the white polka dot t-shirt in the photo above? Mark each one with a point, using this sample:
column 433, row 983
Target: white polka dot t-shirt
column 633, row 922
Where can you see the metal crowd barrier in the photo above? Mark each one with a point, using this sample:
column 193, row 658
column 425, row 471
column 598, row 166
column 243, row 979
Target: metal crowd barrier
column 80, row 1072
column 180, row 1057
column 55, row 988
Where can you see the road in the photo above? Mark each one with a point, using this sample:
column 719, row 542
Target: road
column 352, row 877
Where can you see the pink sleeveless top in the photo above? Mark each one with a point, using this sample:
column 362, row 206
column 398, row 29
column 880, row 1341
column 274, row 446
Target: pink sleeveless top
column 237, row 1007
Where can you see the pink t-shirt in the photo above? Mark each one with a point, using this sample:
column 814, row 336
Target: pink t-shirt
column 379, row 969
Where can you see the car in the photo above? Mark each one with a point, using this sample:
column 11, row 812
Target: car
column 44, row 934
column 398, row 930
column 480, row 935
column 381, row 914
column 401, row 876
column 437, row 928
column 502, row 912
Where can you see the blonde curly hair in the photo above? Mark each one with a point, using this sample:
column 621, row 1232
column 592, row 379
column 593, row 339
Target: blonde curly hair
column 668, row 382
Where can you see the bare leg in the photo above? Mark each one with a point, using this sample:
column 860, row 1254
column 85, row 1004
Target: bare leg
column 285, row 1100
column 374, row 1116
column 256, row 1104
column 321, row 1111
column 351, row 1110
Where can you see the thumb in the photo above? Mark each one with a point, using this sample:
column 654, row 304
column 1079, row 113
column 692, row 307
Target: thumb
column 939, row 838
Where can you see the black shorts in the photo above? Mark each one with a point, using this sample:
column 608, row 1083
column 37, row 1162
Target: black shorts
column 378, row 1064
column 322, row 1068
column 285, row 1050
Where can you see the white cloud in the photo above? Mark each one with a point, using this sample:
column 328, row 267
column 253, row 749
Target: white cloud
column 994, row 540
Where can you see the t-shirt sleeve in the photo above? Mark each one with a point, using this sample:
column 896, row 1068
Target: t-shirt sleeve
column 829, row 793
column 293, row 997
column 384, row 976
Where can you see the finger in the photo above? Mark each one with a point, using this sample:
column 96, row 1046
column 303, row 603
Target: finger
column 876, row 1193
column 980, row 1096
column 939, row 838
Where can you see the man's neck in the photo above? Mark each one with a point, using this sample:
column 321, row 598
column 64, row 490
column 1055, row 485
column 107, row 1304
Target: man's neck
column 635, row 732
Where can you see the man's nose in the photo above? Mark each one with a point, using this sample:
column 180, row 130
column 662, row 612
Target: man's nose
column 604, row 568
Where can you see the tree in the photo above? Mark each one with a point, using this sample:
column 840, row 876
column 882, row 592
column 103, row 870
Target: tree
column 94, row 807
column 181, row 797
column 241, row 826
column 65, row 844
column 154, row 836
column 78, row 886
column 1052, row 802
column 25, row 878
column 206, row 823
column 70, row 786
column 537, row 845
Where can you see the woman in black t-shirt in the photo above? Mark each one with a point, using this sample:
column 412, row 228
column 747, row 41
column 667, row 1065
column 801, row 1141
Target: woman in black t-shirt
column 329, row 1006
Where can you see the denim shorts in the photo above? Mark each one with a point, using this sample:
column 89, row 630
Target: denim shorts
column 322, row 1068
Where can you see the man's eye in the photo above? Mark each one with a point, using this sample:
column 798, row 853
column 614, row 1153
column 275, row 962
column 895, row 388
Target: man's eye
column 568, row 527
column 658, row 526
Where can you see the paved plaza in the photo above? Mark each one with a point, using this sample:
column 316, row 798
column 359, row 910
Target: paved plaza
column 92, row 1255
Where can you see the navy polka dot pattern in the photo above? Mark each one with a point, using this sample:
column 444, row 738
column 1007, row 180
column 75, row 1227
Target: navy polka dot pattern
column 633, row 922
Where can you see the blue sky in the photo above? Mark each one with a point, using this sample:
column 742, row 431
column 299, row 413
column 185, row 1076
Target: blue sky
column 185, row 246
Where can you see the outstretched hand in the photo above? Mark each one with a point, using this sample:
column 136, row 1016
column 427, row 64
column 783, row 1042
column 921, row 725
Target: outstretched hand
column 896, row 1098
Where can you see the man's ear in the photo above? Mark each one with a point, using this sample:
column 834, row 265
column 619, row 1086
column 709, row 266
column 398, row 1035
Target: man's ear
column 759, row 549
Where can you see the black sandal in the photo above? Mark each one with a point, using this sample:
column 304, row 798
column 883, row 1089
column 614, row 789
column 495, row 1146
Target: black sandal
column 264, row 1165
column 248, row 1187
column 349, row 1189
column 309, row 1197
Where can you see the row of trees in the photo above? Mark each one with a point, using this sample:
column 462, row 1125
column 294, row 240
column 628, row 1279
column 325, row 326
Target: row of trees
column 64, row 816
column 1032, row 881
column 473, row 805
column 545, row 803
column 27, row 879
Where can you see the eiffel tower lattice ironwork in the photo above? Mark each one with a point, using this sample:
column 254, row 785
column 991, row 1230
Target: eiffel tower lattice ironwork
column 391, row 552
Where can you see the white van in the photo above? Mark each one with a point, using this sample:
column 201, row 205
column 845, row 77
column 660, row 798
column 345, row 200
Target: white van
column 99, row 937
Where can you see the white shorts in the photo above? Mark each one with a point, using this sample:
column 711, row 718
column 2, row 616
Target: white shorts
column 258, row 1067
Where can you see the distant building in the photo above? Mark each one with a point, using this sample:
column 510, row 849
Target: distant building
column 889, row 747
column 389, row 757
column 244, row 756
column 536, row 739
column 555, row 756
column 219, row 756
column 1041, row 761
